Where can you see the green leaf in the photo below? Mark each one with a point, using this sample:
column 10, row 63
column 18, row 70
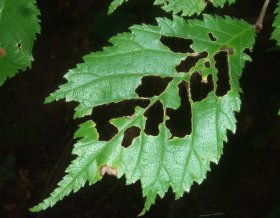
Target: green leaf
column 115, row 4
column 221, row 3
column 160, row 161
column 276, row 25
column 186, row 7
column 19, row 25
column 133, row 56
column 189, row 7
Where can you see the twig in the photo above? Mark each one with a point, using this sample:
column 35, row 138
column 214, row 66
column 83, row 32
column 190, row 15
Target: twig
column 259, row 23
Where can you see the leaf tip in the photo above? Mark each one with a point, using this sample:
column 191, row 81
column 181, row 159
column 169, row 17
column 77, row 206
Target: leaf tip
column 35, row 209
column 110, row 10
column 49, row 99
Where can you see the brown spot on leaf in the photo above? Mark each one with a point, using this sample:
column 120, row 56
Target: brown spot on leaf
column 2, row 52
column 227, row 49
column 109, row 170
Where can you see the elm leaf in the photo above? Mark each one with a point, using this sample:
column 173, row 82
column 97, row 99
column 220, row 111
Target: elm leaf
column 19, row 25
column 186, row 7
column 159, row 161
column 276, row 25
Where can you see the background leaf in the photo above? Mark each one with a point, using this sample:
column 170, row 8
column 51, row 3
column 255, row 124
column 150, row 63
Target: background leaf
column 276, row 25
column 163, row 160
column 115, row 4
column 19, row 25
column 186, row 7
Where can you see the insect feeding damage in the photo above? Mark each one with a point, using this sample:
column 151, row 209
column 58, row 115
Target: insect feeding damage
column 109, row 170
column 2, row 52
column 19, row 46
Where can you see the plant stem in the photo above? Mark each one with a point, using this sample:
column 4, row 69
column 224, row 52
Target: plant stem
column 259, row 23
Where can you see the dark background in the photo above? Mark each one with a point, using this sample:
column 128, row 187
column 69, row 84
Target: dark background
column 36, row 139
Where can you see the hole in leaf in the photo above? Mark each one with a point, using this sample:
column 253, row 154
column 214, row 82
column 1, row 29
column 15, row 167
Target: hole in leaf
column 130, row 134
column 248, row 51
column 102, row 114
column 207, row 64
column 19, row 46
column 227, row 49
column 154, row 118
column 223, row 85
column 200, row 89
column 212, row 37
column 177, row 45
column 190, row 62
column 152, row 86
column 180, row 123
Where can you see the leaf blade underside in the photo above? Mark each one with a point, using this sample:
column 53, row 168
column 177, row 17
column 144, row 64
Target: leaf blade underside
column 19, row 25
column 160, row 161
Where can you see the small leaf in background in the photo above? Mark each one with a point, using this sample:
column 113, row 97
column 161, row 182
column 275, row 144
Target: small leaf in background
column 276, row 25
column 19, row 25
column 115, row 4
column 207, row 55
column 186, row 7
